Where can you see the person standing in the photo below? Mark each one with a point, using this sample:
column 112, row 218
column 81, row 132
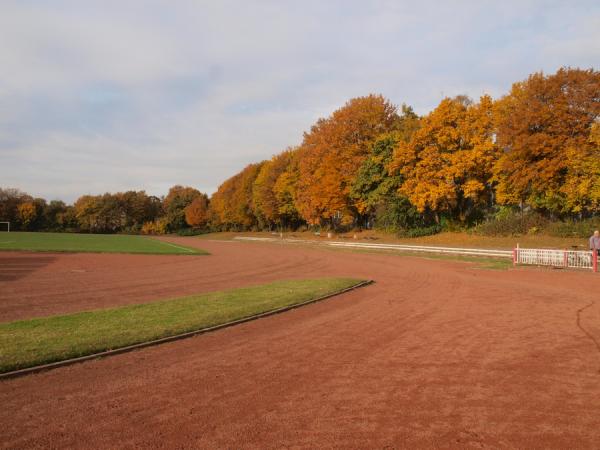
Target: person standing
column 595, row 242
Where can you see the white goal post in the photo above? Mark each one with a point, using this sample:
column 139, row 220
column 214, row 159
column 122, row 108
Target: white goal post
column 7, row 226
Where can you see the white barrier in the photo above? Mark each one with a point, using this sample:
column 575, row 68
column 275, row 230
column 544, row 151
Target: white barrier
column 540, row 257
column 427, row 249
column 399, row 247
column 556, row 258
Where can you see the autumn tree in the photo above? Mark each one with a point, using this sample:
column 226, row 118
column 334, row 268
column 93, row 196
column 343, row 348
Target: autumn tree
column 10, row 199
column 285, row 189
column 87, row 212
column 59, row 216
column 447, row 164
column 544, row 125
column 232, row 207
column 271, row 196
column 196, row 213
column 373, row 185
column 26, row 214
column 331, row 154
column 242, row 203
column 174, row 204
column 581, row 187
column 53, row 214
column 138, row 208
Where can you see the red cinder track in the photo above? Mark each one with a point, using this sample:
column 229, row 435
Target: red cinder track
column 435, row 354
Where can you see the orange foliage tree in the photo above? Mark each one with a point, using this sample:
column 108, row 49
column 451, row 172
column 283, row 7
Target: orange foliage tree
column 549, row 160
column 447, row 164
column 231, row 207
column 196, row 213
column 27, row 214
column 331, row 154
column 273, row 203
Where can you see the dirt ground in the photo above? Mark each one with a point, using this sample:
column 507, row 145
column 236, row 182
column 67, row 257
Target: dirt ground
column 435, row 354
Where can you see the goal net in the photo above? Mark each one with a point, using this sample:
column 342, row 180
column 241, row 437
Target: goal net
column 4, row 226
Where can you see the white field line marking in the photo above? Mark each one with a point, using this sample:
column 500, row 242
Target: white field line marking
column 177, row 246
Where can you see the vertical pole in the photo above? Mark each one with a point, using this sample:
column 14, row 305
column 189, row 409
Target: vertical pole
column 565, row 258
column 595, row 259
column 514, row 257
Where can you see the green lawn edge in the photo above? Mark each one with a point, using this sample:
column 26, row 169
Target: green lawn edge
column 33, row 342
column 92, row 243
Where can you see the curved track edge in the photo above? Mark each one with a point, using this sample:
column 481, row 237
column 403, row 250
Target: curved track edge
column 176, row 337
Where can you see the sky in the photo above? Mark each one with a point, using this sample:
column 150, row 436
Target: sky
column 107, row 96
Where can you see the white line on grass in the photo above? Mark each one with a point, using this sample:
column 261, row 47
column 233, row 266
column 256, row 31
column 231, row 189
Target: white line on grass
column 179, row 247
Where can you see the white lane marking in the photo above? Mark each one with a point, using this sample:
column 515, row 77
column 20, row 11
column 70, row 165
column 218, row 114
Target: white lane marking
column 179, row 247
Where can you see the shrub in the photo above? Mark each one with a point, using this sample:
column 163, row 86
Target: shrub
column 510, row 222
column 158, row 226
column 190, row 232
column 577, row 229
column 420, row 231
column 397, row 214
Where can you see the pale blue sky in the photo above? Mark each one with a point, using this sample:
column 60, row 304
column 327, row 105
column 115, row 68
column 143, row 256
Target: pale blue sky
column 100, row 96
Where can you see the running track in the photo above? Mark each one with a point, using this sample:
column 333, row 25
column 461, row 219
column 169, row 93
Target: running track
column 436, row 354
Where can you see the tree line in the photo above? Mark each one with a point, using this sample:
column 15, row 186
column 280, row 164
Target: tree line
column 371, row 164
column 537, row 148
column 128, row 212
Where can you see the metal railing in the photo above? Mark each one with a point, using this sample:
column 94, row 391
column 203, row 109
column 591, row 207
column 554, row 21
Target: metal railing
column 577, row 259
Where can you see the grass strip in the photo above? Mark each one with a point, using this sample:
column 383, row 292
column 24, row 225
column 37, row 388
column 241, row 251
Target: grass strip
column 28, row 343
column 91, row 243
column 480, row 262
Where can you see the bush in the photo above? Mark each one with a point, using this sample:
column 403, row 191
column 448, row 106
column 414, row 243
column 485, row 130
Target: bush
column 397, row 214
column 576, row 229
column 420, row 231
column 510, row 222
column 158, row 226
column 190, row 232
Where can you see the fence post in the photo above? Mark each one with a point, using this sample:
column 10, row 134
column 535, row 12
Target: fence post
column 565, row 258
column 595, row 259
column 514, row 256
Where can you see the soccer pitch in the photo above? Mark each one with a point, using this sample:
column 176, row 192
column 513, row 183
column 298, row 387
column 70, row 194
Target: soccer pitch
column 92, row 243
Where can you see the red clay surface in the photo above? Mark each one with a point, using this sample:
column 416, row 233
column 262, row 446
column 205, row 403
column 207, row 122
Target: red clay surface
column 436, row 354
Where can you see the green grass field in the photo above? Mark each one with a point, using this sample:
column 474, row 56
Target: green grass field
column 94, row 243
column 27, row 343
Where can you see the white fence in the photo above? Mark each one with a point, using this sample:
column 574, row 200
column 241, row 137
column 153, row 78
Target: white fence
column 540, row 257
column 399, row 247
column 427, row 249
column 556, row 258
